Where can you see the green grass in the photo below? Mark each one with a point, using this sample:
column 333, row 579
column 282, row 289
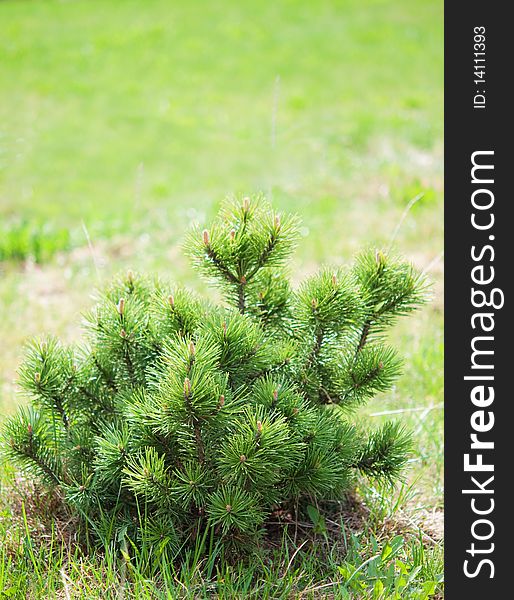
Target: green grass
column 111, row 108
column 316, row 558
column 121, row 122
column 22, row 240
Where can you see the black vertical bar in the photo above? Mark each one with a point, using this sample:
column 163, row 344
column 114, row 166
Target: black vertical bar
column 478, row 528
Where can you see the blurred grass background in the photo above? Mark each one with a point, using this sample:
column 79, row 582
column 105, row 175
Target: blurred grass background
column 121, row 122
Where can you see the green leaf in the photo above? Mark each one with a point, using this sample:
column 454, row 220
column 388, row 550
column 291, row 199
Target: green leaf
column 378, row 589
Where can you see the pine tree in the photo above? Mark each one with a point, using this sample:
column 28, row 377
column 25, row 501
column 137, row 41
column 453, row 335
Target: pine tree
column 207, row 417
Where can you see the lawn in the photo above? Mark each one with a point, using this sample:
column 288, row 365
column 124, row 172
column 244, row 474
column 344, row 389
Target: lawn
column 122, row 122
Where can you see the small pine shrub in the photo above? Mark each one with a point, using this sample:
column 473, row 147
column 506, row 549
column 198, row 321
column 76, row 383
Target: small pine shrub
column 177, row 417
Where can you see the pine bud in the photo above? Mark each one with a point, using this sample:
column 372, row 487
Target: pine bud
column 314, row 303
column 259, row 426
column 29, row 429
column 222, row 401
column 277, row 222
column 130, row 276
column 37, row 378
column 334, row 280
column 187, row 386
column 380, row 258
column 232, row 234
column 380, row 365
column 246, row 204
column 243, row 279
column 205, row 235
column 242, row 458
column 295, row 411
column 171, row 301
column 228, row 508
column 192, row 349
column 275, row 395
column 224, row 328
column 121, row 306
column 261, row 295
column 123, row 333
